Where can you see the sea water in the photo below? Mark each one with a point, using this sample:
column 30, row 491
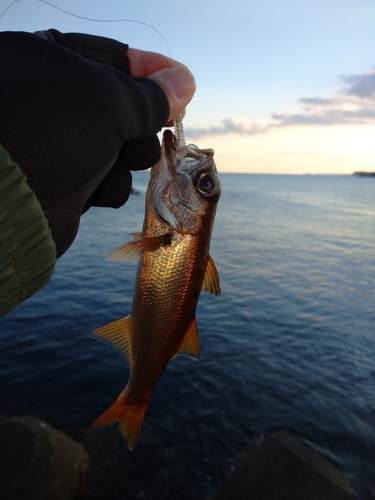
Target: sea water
column 290, row 343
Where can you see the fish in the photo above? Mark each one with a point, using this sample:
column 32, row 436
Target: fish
column 174, row 266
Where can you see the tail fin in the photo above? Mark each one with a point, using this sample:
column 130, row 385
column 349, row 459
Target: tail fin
column 129, row 415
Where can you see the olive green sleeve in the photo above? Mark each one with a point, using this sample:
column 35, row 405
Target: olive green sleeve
column 27, row 250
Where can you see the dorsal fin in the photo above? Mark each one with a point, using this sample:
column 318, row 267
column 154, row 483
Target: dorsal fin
column 190, row 343
column 211, row 281
column 117, row 334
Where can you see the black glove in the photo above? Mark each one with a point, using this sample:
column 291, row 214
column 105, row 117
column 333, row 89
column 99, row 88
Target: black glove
column 76, row 122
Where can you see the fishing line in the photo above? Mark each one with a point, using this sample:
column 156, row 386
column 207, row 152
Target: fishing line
column 94, row 20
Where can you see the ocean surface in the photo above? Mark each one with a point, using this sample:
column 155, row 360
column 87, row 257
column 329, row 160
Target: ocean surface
column 289, row 344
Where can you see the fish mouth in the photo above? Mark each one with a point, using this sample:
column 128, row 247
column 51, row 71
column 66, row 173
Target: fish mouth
column 164, row 167
column 172, row 149
column 161, row 176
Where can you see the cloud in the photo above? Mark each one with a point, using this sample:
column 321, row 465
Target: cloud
column 229, row 126
column 343, row 109
column 352, row 104
column 362, row 85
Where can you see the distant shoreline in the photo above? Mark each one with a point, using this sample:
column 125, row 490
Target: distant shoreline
column 364, row 174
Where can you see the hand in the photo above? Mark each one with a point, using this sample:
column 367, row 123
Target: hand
column 78, row 112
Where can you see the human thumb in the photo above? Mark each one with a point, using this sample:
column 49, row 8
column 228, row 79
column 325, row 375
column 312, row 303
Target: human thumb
column 179, row 85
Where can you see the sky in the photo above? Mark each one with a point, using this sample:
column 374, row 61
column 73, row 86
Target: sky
column 283, row 86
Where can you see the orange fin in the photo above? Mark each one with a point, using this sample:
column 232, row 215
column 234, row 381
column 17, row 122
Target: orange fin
column 130, row 418
column 129, row 252
column 211, row 281
column 136, row 236
column 117, row 334
column 132, row 251
column 190, row 343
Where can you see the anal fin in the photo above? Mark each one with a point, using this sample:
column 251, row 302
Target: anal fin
column 190, row 343
column 117, row 334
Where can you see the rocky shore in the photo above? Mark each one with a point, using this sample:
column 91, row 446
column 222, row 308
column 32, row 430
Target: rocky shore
column 283, row 467
column 39, row 462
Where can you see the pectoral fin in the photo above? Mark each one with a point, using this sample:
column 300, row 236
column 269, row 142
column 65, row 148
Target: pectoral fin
column 132, row 251
column 117, row 334
column 190, row 343
column 211, row 282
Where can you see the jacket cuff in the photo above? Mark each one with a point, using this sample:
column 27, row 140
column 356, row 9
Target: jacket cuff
column 27, row 250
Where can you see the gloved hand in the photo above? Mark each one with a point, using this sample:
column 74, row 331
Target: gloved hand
column 77, row 113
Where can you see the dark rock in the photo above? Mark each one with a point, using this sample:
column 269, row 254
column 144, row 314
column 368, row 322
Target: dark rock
column 37, row 462
column 283, row 467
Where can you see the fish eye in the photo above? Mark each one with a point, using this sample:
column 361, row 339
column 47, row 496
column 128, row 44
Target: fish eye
column 207, row 183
